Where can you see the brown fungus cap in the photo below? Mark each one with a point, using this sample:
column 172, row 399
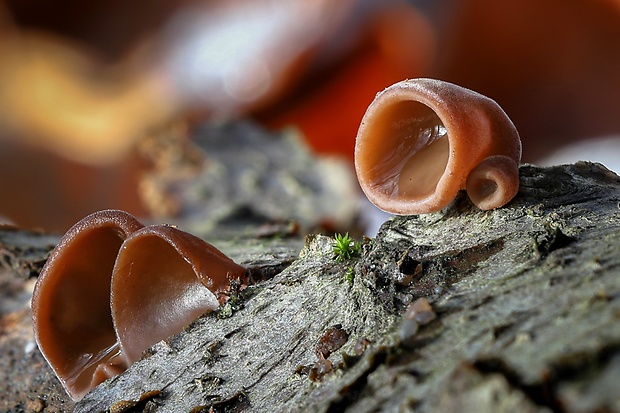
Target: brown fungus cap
column 71, row 302
column 158, row 286
column 422, row 140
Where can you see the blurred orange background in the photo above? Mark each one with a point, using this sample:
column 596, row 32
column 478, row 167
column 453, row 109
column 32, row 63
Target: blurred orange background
column 82, row 83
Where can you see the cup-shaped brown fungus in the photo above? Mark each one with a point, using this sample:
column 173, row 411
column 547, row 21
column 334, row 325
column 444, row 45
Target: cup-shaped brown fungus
column 112, row 288
column 71, row 302
column 164, row 279
column 422, row 140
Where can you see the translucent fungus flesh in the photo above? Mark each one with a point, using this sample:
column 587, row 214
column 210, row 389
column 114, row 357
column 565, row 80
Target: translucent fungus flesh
column 420, row 140
column 112, row 288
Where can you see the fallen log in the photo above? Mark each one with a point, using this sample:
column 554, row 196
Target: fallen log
column 527, row 299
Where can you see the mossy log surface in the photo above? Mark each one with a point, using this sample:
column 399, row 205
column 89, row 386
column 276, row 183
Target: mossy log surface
column 527, row 299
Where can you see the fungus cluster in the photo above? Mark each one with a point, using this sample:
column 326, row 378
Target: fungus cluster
column 422, row 140
column 112, row 288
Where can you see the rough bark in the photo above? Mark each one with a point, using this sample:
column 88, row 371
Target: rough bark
column 527, row 300
column 27, row 383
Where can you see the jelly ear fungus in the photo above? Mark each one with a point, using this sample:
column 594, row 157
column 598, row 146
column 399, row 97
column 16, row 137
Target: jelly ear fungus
column 422, row 140
column 112, row 288
column 71, row 302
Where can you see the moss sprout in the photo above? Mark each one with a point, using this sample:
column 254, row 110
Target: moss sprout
column 349, row 275
column 345, row 247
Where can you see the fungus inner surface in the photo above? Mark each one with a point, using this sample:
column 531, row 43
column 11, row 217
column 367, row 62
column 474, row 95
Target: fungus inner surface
column 484, row 188
column 493, row 182
column 409, row 150
column 159, row 295
column 88, row 339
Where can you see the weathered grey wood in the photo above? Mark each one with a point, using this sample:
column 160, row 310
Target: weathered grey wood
column 26, row 381
column 527, row 298
column 528, row 304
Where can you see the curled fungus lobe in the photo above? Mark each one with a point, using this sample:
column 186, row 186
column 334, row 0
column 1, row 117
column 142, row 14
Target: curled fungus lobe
column 422, row 140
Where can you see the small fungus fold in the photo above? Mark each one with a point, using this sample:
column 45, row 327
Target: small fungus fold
column 423, row 140
column 112, row 288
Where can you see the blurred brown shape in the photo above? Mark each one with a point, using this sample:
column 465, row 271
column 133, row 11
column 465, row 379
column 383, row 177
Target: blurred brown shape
column 77, row 105
column 61, row 98
column 68, row 132
column 42, row 190
column 553, row 66
column 67, row 128
column 82, row 82
column 112, row 28
column 392, row 43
